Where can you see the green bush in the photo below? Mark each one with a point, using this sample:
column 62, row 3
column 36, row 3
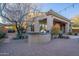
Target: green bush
column 75, row 34
column 2, row 34
column 70, row 33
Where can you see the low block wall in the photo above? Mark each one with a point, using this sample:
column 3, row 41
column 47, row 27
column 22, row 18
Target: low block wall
column 38, row 38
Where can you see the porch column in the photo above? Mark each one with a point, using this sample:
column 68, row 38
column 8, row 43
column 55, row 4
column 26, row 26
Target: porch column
column 49, row 22
column 36, row 25
column 67, row 27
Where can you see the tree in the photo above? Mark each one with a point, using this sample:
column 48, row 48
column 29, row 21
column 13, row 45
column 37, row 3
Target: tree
column 75, row 20
column 16, row 13
column 56, row 29
column 75, row 23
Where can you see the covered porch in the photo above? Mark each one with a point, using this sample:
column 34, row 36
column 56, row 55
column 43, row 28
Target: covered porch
column 61, row 24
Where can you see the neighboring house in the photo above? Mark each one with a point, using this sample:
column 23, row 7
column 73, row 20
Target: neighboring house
column 75, row 25
column 49, row 19
column 75, row 28
column 8, row 27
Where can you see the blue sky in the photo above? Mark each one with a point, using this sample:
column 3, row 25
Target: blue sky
column 68, row 13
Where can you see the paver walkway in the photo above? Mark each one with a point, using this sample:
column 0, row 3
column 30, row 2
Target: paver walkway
column 57, row 47
column 10, row 36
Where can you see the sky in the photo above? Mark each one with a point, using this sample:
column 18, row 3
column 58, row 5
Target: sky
column 68, row 13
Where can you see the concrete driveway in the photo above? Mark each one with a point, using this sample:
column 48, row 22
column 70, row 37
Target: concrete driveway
column 56, row 47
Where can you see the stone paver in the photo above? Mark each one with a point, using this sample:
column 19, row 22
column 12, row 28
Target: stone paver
column 10, row 36
column 57, row 47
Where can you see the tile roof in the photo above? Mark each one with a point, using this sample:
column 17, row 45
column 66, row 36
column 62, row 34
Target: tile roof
column 53, row 13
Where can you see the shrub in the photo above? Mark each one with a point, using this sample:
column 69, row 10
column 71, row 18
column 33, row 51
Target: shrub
column 56, row 29
column 2, row 34
column 70, row 33
column 60, row 35
column 75, row 34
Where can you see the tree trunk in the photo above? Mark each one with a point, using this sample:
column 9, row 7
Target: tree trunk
column 17, row 28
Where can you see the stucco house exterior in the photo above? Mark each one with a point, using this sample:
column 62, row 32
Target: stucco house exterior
column 44, row 23
column 51, row 18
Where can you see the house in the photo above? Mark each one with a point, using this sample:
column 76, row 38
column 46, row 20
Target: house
column 7, row 27
column 44, row 21
column 75, row 25
column 49, row 19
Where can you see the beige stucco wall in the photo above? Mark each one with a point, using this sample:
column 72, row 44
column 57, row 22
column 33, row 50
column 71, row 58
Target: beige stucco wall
column 38, row 38
column 50, row 20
